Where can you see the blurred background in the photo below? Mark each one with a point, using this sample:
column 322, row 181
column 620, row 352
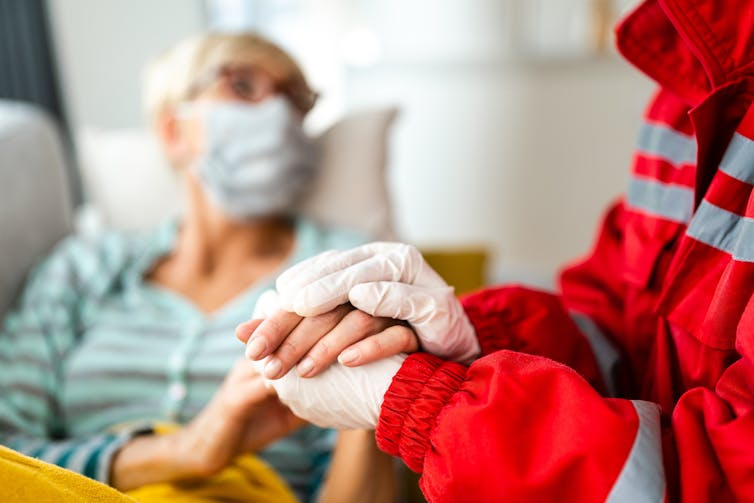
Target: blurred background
column 516, row 118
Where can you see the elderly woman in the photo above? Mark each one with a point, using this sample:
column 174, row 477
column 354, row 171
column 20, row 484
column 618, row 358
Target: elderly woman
column 115, row 335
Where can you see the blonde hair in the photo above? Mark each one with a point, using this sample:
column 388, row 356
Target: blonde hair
column 171, row 77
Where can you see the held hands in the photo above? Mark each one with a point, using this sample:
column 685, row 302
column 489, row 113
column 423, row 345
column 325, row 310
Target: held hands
column 312, row 322
column 339, row 397
column 386, row 280
column 389, row 281
column 281, row 339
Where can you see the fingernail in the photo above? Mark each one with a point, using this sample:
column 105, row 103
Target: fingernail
column 255, row 348
column 349, row 356
column 272, row 368
column 305, row 367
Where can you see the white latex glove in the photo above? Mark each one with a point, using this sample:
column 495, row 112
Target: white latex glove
column 341, row 397
column 345, row 398
column 384, row 279
column 267, row 304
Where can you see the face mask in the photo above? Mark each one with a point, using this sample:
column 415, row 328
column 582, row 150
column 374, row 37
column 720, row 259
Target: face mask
column 257, row 159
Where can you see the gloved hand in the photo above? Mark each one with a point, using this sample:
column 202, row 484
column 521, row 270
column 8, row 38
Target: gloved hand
column 388, row 280
column 345, row 398
column 340, row 397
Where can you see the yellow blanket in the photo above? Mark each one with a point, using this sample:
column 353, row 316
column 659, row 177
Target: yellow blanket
column 27, row 479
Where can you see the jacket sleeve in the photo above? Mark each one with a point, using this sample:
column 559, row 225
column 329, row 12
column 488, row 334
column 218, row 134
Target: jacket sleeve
column 35, row 339
column 519, row 427
column 525, row 428
column 528, row 321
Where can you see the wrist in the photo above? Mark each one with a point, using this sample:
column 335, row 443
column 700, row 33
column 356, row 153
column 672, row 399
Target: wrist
column 178, row 456
column 148, row 459
column 417, row 394
column 188, row 455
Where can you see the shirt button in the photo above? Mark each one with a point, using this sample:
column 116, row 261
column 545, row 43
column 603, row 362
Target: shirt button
column 177, row 391
column 175, row 362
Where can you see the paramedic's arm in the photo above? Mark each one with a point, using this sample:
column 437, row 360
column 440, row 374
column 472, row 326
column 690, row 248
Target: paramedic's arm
column 511, row 426
column 359, row 471
column 528, row 429
column 516, row 426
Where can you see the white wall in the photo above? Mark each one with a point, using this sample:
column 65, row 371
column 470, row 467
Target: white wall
column 101, row 47
column 521, row 157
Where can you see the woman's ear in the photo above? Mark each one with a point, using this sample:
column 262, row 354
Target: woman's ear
column 174, row 137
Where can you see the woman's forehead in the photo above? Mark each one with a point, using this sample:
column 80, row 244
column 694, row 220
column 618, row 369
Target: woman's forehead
column 253, row 58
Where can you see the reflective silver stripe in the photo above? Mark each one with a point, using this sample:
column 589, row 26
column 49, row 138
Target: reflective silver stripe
column 671, row 202
column 724, row 230
column 657, row 140
column 738, row 160
column 605, row 353
column 642, row 479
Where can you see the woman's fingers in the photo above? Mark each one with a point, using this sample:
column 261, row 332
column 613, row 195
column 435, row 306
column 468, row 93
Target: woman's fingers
column 245, row 329
column 353, row 327
column 358, row 326
column 301, row 339
column 393, row 340
column 313, row 343
column 268, row 335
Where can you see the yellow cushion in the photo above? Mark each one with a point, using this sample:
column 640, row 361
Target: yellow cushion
column 27, row 479
column 462, row 268
column 247, row 479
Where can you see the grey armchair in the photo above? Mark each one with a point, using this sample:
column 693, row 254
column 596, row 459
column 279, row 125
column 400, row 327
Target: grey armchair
column 35, row 203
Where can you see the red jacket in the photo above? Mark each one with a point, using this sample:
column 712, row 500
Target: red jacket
column 660, row 316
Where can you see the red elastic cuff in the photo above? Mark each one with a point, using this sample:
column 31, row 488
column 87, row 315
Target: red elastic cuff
column 419, row 391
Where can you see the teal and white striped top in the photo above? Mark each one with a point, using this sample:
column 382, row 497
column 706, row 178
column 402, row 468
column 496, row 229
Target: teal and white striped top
column 92, row 353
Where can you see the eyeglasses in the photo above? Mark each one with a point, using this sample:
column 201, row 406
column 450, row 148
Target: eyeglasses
column 249, row 83
column 245, row 83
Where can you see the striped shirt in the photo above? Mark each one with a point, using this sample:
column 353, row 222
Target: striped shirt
column 92, row 354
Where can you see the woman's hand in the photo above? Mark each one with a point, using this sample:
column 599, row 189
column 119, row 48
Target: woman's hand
column 345, row 334
column 243, row 416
